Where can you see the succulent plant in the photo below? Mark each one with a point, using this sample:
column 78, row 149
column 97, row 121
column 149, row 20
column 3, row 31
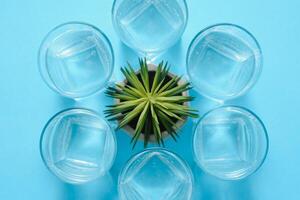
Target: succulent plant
column 151, row 103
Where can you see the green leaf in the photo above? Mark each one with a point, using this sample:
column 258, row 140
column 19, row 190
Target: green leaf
column 168, row 112
column 158, row 139
column 156, row 78
column 176, row 90
column 124, row 106
column 147, row 131
column 131, row 115
column 145, row 74
column 174, row 81
column 168, row 124
column 140, row 123
column 159, row 85
column 174, row 99
column 122, row 97
column 127, row 90
column 156, row 123
column 174, row 106
column 133, row 79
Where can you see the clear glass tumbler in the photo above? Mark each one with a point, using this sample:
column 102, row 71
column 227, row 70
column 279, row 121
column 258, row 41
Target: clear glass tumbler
column 149, row 26
column 76, row 59
column 230, row 143
column 155, row 174
column 224, row 61
column 78, row 146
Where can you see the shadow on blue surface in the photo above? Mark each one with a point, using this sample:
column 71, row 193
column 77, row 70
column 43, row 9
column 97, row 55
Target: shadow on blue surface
column 174, row 55
column 126, row 54
column 211, row 188
column 64, row 102
column 103, row 188
column 244, row 101
column 96, row 102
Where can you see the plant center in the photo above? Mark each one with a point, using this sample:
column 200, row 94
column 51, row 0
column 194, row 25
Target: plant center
column 150, row 98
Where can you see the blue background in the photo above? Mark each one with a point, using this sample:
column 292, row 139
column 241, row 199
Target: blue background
column 27, row 103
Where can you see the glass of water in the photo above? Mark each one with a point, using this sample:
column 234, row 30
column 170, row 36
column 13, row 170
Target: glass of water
column 149, row 26
column 76, row 59
column 230, row 143
column 155, row 174
column 224, row 61
column 78, row 146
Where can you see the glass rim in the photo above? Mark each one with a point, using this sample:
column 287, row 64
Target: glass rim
column 265, row 134
column 137, row 49
column 60, row 113
column 41, row 58
column 257, row 69
column 161, row 150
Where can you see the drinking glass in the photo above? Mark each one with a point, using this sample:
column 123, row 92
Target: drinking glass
column 230, row 143
column 155, row 174
column 76, row 59
column 149, row 26
column 224, row 61
column 78, row 146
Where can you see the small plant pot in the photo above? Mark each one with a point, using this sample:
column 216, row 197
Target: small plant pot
column 129, row 129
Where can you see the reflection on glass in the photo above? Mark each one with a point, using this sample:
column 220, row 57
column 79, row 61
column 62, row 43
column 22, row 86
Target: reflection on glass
column 224, row 61
column 76, row 60
column 150, row 26
column 78, row 146
column 230, row 143
column 155, row 174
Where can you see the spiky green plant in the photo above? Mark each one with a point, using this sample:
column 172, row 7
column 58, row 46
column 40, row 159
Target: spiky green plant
column 155, row 102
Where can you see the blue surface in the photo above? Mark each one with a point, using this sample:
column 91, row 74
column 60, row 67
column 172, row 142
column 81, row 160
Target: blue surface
column 27, row 103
